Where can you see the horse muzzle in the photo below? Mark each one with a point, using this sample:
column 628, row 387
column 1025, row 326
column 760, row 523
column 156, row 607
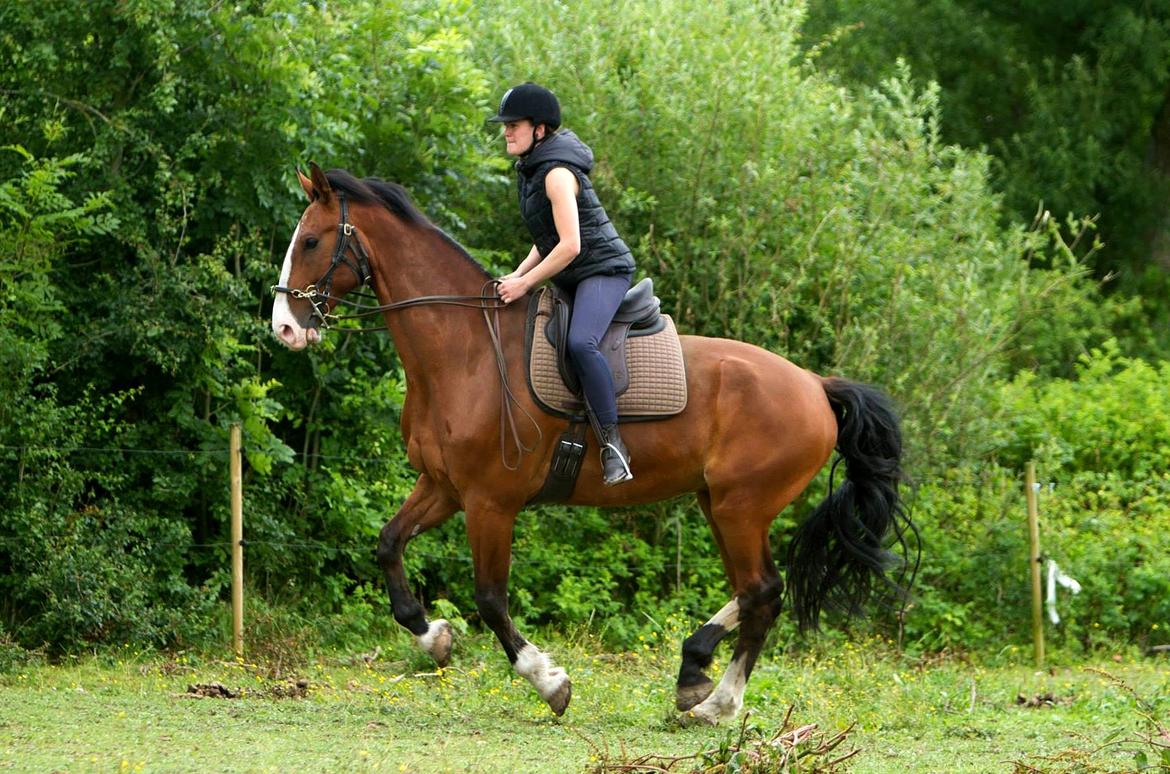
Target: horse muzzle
column 289, row 330
column 295, row 337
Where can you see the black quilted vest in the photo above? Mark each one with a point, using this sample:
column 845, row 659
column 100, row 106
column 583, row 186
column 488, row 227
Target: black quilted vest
column 602, row 250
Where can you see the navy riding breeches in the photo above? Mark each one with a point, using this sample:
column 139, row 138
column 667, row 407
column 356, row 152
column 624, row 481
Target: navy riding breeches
column 595, row 302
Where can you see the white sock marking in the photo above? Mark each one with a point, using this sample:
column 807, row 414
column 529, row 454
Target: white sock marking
column 538, row 669
column 728, row 616
column 726, row 700
column 434, row 628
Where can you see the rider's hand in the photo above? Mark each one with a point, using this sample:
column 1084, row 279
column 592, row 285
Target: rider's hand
column 512, row 288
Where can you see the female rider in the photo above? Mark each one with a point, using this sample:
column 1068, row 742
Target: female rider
column 575, row 246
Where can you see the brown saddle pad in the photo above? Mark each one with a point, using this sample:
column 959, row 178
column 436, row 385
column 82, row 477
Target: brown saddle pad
column 657, row 375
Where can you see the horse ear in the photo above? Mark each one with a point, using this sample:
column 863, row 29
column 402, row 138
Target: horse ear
column 306, row 185
column 320, row 183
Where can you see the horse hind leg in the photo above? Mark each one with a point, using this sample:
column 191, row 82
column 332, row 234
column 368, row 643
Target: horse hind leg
column 757, row 608
column 693, row 683
column 747, row 558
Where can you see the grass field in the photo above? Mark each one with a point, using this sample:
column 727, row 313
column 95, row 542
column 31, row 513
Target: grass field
column 131, row 712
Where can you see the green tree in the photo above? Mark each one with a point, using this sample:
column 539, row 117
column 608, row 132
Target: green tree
column 1070, row 98
column 187, row 122
column 833, row 225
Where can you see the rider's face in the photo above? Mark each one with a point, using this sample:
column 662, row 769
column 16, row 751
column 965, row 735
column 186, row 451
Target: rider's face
column 518, row 136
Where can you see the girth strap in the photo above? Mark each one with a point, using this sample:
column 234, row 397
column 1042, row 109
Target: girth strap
column 568, row 454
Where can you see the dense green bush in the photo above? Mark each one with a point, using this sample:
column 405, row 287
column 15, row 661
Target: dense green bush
column 150, row 333
column 145, row 222
column 1100, row 443
column 1103, row 440
column 1070, row 98
column 84, row 565
column 771, row 205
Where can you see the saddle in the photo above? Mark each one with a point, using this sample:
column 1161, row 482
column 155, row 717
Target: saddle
column 641, row 346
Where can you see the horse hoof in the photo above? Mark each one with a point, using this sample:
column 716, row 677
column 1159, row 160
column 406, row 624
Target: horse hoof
column 559, row 700
column 691, row 719
column 712, row 711
column 437, row 641
column 688, row 696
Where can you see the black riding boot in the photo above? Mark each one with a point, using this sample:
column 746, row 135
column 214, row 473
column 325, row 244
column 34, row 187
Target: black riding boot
column 615, row 458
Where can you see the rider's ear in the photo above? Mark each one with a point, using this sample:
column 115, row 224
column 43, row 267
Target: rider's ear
column 306, row 185
column 320, row 184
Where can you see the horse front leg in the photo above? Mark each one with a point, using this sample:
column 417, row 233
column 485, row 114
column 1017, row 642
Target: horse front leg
column 489, row 531
column 426, row 507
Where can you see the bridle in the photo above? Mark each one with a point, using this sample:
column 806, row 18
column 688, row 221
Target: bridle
column 351, row 253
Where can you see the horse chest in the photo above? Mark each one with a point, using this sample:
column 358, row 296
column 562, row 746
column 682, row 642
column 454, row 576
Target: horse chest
column 441, row 448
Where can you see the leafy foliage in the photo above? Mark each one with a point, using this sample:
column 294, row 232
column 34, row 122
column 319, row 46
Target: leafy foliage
column 1099, row 441
column 150, row 334
column 837, row 229
column 146, row 163
column 92, row 567
column 1071, row 98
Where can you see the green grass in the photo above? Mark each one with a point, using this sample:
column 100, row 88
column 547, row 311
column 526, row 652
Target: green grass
column 397, row 715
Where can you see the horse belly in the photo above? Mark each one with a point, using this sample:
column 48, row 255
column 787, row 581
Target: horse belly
column 660, row 472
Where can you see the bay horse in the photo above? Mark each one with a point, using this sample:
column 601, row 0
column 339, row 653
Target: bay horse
column 754, row 433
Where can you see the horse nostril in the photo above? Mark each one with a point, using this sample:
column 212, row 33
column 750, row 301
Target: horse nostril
column 286, row 334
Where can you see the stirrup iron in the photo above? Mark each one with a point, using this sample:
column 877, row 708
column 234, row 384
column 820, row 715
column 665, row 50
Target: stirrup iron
column 612, row 448
column 615, row 458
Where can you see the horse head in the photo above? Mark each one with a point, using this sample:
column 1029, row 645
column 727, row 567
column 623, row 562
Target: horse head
column 325, row 260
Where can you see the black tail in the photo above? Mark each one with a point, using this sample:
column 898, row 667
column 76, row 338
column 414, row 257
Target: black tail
column 839, row 558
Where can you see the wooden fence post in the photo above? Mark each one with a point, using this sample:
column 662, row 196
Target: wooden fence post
column 1034, row 561
column 237, row 483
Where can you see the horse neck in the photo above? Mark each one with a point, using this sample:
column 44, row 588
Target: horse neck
column 434, row 341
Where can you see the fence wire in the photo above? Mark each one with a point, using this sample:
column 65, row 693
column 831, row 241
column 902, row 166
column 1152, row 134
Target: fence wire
column 181, row 452
column 517, row 558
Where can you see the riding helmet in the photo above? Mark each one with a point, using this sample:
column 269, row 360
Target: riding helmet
column 528, row 100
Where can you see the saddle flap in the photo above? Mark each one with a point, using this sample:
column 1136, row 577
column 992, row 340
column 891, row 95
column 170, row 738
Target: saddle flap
column 612, row 345
column 557, row 332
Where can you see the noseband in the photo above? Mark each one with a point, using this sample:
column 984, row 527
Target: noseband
column 349, row 252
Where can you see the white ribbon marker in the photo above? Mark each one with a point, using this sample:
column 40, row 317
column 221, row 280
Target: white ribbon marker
column 1055, row 576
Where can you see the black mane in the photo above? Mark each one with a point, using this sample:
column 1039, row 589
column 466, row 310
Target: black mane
column 372, row 190
column 392, row 196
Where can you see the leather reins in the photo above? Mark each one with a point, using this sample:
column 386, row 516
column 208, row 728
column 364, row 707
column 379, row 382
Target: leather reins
column 349, row 246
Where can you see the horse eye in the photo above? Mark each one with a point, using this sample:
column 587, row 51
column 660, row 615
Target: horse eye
column 310, row 243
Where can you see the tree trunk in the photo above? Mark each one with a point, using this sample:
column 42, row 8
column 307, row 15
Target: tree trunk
column 1159, row 167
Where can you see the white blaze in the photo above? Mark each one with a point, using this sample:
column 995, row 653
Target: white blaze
column 284, row 323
